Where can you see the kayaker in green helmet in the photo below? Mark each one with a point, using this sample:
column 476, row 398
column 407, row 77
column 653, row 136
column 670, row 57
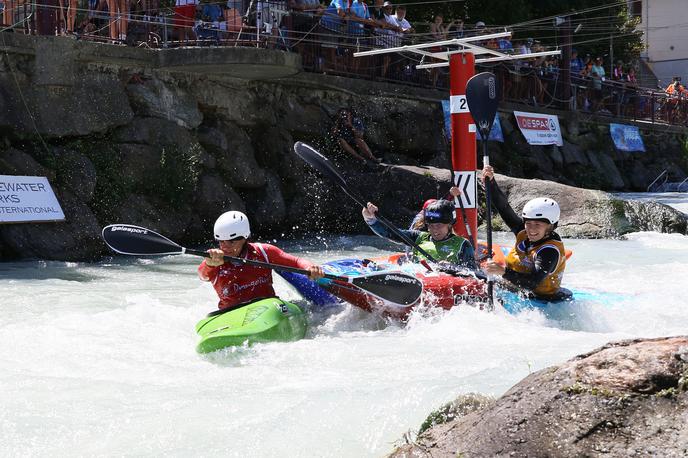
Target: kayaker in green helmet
column 439, row 240
column 239, row 284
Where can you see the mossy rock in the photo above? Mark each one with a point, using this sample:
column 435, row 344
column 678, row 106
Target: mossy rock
column 459, row 407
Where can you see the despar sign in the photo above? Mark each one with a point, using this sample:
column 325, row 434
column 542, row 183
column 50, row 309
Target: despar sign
column 28, row 199
column 539, row 129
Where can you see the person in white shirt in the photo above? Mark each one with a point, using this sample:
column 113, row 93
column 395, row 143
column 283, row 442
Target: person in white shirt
column 404, row 25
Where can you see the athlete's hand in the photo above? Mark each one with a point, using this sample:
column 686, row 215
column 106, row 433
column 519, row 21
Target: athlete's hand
column 454, row 191
column 315, row 272
column 488, row 173
column 216, row 258
column 369, row 212
column 492, row 268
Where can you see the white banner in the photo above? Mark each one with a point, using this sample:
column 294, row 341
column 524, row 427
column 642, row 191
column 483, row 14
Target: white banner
column 28, row 199
column 539, row 129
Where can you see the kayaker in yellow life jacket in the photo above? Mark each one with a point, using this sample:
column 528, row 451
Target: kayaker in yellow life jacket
column 439, row 240
column 537, row 261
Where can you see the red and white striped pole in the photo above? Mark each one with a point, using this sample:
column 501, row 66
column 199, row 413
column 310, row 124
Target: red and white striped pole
column 463, row 143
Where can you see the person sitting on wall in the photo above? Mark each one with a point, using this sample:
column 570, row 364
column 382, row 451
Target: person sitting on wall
column 348, row 133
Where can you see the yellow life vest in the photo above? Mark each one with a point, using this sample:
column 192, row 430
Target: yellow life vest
column 521, row 259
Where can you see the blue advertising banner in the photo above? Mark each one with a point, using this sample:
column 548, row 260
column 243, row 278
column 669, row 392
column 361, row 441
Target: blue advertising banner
column 626, row 138
column 495, row 133
column 447, row 118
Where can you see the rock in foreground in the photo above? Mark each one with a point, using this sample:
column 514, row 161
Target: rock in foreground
column 627, row 398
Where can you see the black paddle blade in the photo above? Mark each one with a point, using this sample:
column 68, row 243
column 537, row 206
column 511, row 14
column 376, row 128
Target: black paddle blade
column 138, row 241
column 391, row 286
column 483, row 98
column 325, row 167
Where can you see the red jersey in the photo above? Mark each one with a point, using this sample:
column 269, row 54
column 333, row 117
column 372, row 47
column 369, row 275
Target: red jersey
column 237, row 284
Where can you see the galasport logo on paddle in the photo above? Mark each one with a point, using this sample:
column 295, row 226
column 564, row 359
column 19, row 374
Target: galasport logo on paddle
column 399, row 278
column 133, row 230
column 533, row 123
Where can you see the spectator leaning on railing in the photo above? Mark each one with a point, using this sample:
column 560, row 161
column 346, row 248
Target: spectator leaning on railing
column 405, row 27
column 331, row 31
column 438, row 29
column 676, row 88
column 672, row 108
column 359, row 17
column 455, row 29
column 505, row 46
column 576, row 65
column 385, row 33
column 233, row 17
column 618, row 72
column 598, row 68
column 305, row 17
column 184, row 17
column 9, row 11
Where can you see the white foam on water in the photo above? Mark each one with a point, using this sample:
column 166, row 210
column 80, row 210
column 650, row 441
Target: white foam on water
column 99, row 359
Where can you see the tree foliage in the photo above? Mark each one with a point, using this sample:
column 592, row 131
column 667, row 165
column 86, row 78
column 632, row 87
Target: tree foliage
column 608, row 23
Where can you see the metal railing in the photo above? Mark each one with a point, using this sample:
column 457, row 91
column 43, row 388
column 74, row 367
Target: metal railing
column 326, row 45
column 664, row 174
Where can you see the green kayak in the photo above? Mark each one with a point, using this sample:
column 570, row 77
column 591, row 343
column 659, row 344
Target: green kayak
column 265, row 320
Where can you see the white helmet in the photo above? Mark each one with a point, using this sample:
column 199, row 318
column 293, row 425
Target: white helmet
column 232, row 225
column 541, row 208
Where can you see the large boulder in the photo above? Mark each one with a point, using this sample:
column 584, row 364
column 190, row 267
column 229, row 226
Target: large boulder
column 274, row 150
column 266, row 207
column 214, row 197
column 93, row 104
column 605, row 166
column 238, row 161
column 302, row 114
column 77, row 173
column 139, row 162
column 154, row 213
column 624, row 399
column 155, row 98
column 17, row 162
column 238, row 102
column 588, row 213
column 156, row 132
column 573, row 155
column 653, row 216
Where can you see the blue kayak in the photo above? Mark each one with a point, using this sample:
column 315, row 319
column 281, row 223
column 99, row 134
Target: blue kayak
column 322, row 294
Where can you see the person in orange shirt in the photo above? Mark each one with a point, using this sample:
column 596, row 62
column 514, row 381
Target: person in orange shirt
column 676, row 87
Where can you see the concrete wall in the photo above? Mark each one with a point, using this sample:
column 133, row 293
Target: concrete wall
column 665, row 29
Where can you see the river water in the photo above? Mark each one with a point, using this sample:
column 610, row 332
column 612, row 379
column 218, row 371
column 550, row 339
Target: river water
column 99, row 359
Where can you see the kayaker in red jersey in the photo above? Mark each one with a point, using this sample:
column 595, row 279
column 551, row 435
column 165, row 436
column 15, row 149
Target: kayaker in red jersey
column 239, row 284
column 537, row 261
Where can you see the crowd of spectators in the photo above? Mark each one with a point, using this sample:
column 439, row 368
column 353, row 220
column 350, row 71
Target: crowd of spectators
column 327, row 35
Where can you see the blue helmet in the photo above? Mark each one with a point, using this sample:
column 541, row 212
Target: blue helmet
column 441, row 211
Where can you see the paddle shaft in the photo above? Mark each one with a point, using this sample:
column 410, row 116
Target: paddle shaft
column 323, row 165
column 488, row 216
column 267, row 265
column 388, row 224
